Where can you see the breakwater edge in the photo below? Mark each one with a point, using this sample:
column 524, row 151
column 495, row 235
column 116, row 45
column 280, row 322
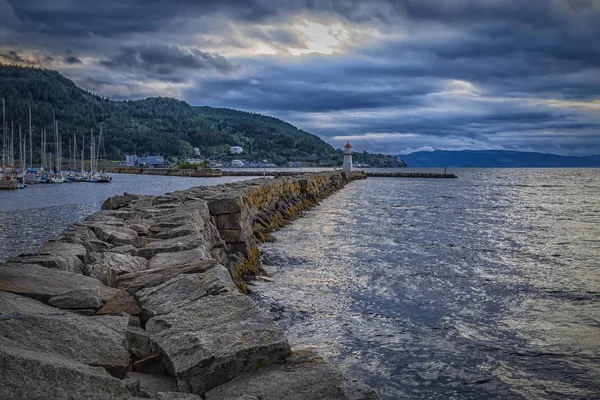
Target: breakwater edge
column 200, row 173
column 144, row 299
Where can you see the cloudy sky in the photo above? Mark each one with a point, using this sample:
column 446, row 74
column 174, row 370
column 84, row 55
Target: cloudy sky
column 391, row 76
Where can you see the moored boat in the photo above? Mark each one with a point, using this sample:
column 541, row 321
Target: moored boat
column 8, row 178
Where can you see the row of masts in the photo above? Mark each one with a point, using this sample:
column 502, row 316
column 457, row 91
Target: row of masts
column 46, row 159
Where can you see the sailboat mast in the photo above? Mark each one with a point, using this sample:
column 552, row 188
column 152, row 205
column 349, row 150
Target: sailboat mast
column 56, row 145
column 24, row 147
column 30, row 141
column 92, row 153
column 3, row 130
column 83, row 152
column 12, row 142
column 21, row 165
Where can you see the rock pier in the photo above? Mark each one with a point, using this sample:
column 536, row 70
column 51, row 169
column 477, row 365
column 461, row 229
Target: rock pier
column 265, row 172
column 146, row 299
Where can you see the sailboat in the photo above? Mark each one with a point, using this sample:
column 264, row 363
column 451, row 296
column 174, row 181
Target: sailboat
column 57, row 176
column 31, row 175
column 100, row 176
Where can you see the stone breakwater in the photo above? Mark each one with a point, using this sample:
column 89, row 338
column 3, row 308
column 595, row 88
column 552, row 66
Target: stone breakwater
column 266, row 172
column 434, row 175
column 144, row 300
column 166, row 172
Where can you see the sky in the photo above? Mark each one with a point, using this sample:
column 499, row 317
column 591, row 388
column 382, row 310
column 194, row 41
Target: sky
column 390, row 76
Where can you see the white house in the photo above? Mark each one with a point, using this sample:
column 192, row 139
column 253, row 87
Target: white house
column 236, row 150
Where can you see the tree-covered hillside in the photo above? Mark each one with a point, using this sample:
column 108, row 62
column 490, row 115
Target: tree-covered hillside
column 156, row 125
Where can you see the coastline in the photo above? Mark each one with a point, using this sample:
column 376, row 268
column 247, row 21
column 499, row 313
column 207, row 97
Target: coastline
column 148, row 294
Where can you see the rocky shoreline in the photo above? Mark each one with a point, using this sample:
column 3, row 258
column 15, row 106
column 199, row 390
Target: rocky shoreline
column 145, row 299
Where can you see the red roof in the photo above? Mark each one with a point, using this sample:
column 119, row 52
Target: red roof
column 348, row 146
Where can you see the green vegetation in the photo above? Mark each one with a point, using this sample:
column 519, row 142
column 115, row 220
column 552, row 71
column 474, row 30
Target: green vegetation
column 158, row 125
column 188, row 165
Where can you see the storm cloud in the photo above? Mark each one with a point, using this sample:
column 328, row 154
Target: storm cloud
column 390, row 75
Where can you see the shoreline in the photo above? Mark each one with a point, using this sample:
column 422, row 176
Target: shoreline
column 148, row 294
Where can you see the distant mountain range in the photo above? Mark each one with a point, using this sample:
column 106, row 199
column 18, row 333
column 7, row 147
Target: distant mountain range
column 496, row 158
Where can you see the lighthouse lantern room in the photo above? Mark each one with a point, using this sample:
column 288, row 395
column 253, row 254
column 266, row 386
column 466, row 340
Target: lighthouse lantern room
column 347, row 157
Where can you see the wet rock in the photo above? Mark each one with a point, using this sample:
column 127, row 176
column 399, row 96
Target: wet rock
column 136, row 281
column 108, row 265
column 302, row 376
column 43, row 283
column 214, row 339
column 96, row 341
column 32, row 374
column 181, row 258
column 77, row 299
column 65, row 262
column 115, row 235
column 151, row 384
column 11, row 303
column 119, row 303
column 183, row 290
column 59, row 247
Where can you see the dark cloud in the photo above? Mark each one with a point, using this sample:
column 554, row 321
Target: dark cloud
column 12, row 57
column 36, row 58
column 72, row 60
column 165, row 62
column 449, row 74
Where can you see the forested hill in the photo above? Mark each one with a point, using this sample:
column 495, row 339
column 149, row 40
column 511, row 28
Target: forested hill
column 156, row 125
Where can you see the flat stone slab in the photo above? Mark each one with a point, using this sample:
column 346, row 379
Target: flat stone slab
column 173, row 245
column 41, row 283
column 63, row 261
column 137, row 281
column 96, row 341
column 302, row 376
column 11, row 303
column 151, row 384
column 106, row 266
column 115, row 235
column 214, row 339
column 32, row 374
column 77, row 299
column 60, row 247
column 184, row 290
column 181, row 258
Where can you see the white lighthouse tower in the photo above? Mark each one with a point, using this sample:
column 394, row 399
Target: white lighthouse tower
column 348, row 157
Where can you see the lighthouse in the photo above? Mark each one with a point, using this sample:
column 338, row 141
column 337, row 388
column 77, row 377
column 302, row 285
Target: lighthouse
column 347, row 157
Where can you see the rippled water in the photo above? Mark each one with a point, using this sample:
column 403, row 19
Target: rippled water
column 29, row 217
column 485, row 287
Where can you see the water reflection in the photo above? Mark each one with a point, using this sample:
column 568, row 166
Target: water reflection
column 485, row 287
